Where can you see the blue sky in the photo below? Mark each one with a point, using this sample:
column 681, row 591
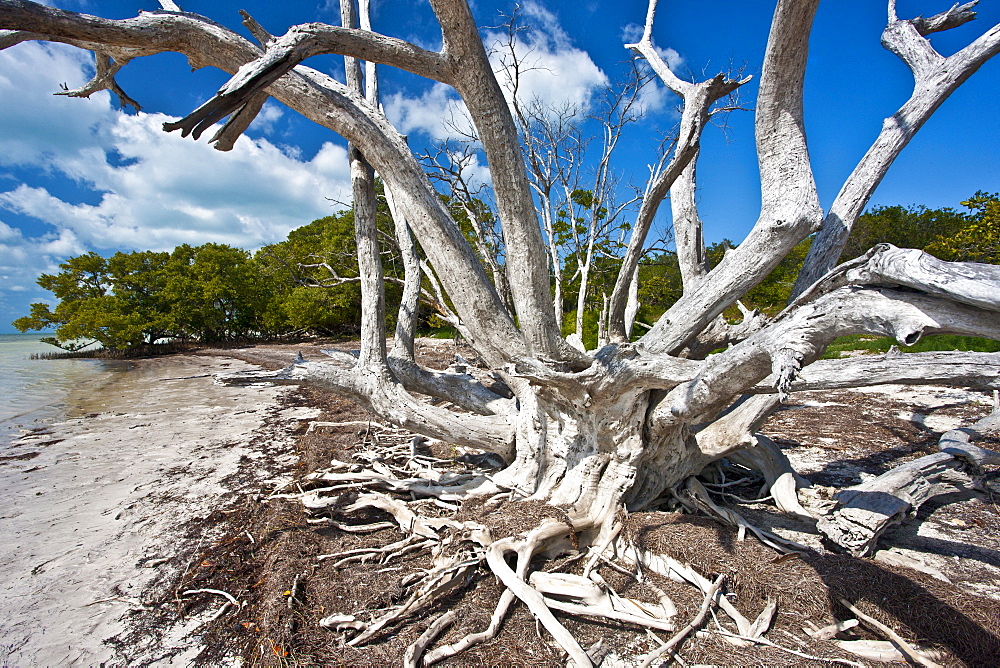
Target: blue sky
column 79, row 175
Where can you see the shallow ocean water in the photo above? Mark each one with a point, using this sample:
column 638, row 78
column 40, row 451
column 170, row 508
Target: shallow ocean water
column 33, row 393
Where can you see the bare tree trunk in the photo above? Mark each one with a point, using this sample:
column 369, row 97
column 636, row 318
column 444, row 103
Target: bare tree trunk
column 629, row 423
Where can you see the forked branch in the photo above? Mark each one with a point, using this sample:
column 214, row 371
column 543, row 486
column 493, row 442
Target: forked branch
column 698, row 99
column 104, row 79
column 935, row 78
column 790, row 207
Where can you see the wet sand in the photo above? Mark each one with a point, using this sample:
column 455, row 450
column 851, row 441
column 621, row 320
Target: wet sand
column 94, row 505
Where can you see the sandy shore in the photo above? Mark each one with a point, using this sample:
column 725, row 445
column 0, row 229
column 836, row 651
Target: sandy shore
column 93, row 519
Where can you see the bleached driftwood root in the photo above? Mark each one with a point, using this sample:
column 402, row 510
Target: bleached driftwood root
column 780, row 478
column 882, row 651
column 231, row 601
column 413, row 652
column 694, row 495
column 459, row 548
column 765, row 641
column 867, row 510
column 683, row 573
column 385, row 478
column 445, row 651
column 698, row 620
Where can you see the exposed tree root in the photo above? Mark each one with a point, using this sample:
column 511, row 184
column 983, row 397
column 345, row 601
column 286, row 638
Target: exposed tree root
column 698, row 620
column 696, row 496
column 765, row 641
column 389, row 489
column 531, row 597
column 910, row 652
column 446, row 651
column 414, row 651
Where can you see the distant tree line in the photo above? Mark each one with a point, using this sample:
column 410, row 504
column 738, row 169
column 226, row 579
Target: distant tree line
column 307, row 284
column 211, row 293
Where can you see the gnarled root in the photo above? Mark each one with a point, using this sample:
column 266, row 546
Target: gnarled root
column 780, row 478
column 694, row 495
column 531, row 597
column 393, row 491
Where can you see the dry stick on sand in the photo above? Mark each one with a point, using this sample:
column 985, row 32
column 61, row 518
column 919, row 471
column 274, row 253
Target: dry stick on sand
column 908, row 650
column 231, row 602
column 698, row 620
column 413, row 652
column 765, row 641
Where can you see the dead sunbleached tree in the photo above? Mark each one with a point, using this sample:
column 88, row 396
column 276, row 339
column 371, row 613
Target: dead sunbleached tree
column 586, row 433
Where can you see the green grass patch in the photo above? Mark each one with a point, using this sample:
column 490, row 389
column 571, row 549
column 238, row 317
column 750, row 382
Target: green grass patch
column 440, row 333
column 881, row 344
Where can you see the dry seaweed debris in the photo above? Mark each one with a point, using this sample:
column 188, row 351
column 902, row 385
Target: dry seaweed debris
column 804, row 588
column 268, row 554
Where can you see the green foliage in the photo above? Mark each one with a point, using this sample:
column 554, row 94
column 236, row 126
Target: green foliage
column 210, row 292
column 771, row 294
column 659, row 285
column 906, row 227
column 589, row 335
column 89, row 306
column 979, row 240
column 972, row 236
column 326, row 310
column 215, row 292
column 307, row 295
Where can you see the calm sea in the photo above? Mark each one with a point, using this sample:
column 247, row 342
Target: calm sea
column 33, row 392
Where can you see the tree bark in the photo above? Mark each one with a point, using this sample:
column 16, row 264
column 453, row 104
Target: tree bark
column 629, row 423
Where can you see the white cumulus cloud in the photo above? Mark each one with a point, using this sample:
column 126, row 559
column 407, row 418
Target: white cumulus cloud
column 156, row 189
column 96, row 178
column 438, row 113
column 553, row 72
column 632, row 33
column 22, row 259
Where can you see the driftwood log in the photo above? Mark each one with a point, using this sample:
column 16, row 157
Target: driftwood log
column 867, row 510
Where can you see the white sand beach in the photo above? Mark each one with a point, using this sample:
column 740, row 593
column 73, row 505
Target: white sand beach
column 94, row 517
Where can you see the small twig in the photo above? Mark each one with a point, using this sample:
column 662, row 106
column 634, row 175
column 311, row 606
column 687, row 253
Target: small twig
column 673, row 655
column 908, row 650
column 698, row 620
column 223, row 610
column 293, row 593
column 742, row 500
column 360, row 528
column 765, row 641
column 116, row 599
column 230, row 603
